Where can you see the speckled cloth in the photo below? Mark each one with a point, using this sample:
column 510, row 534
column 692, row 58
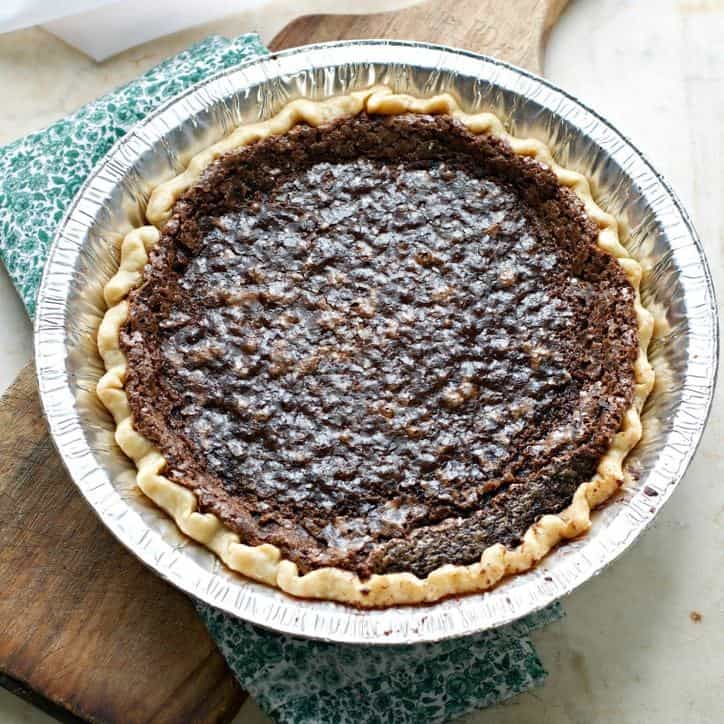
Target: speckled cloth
column 293, row 680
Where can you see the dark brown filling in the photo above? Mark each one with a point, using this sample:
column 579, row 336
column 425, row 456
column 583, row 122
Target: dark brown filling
column 383, row 345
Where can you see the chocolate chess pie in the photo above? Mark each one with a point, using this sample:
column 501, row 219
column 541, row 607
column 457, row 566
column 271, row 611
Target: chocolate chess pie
column 376, row 350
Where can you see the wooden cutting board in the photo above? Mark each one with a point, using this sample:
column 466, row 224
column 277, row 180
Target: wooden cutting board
column 86, row 631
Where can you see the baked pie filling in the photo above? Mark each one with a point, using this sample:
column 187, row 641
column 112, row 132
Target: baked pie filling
column 384, row 355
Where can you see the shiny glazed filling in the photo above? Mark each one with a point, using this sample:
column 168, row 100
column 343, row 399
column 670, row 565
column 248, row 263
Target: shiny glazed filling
column 382, row 345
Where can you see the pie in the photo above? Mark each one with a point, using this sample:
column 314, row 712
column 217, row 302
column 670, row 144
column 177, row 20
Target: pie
column 376, row 350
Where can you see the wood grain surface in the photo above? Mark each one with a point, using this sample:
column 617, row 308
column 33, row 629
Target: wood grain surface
column 85, row 630
column 512, row 30
column 81, row 620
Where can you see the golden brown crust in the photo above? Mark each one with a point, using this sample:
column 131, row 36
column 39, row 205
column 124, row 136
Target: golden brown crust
column 264, row 562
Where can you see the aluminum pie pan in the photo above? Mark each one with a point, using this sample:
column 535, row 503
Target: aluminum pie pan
column 657, row 230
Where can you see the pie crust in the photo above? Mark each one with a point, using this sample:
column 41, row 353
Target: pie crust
column 264, row 562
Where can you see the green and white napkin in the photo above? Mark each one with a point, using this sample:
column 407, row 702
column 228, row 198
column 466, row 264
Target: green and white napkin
column 295, row 681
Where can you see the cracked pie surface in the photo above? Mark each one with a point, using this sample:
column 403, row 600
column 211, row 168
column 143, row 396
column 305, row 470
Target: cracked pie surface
column 376, row 350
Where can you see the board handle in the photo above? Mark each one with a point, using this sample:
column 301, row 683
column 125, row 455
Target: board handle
column 511, row 30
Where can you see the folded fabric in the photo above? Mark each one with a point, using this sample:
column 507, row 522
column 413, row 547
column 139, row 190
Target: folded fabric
column 294, row 680
column 41, row 173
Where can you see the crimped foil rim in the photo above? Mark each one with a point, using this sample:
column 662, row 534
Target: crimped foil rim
column 555, row 577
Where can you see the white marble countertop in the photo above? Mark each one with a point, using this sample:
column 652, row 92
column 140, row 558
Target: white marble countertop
column 629, row 649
